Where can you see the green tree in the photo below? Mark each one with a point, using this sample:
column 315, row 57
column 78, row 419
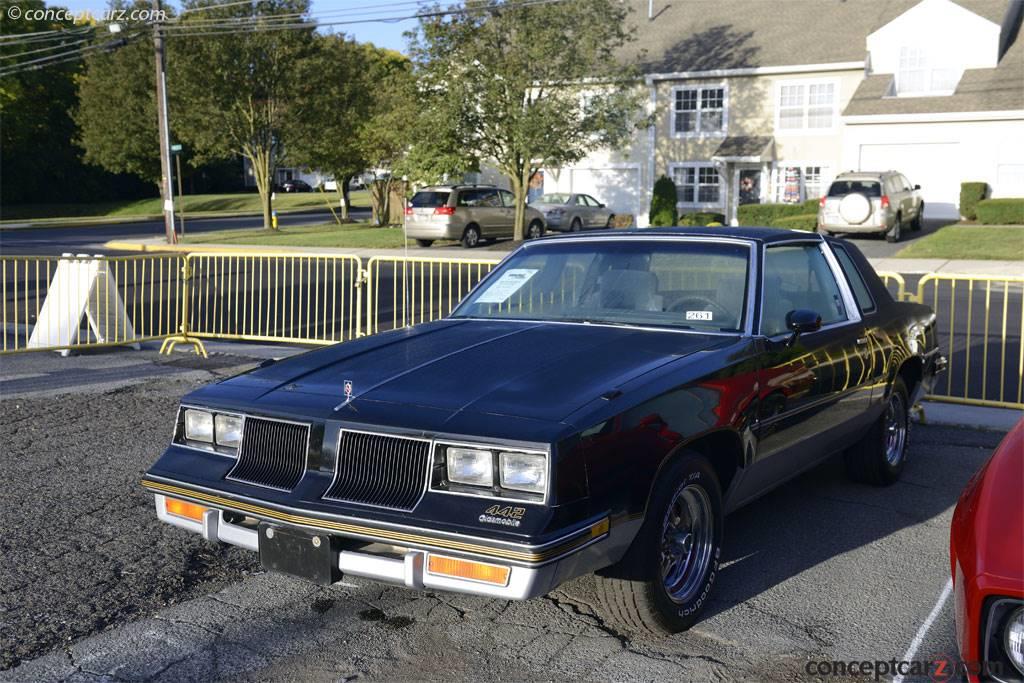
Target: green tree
column 663, row 202
column 116, row 112
column 526, row 87
column 337, row 95
column 236, row 92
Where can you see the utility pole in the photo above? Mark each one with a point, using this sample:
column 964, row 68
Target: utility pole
column 163, row 127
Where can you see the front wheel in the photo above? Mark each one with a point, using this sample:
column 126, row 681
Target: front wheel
column 664, row 581
column 424, row 243
column 917, row 224
column 611, row 222
column 534, row 230
column 879, row 456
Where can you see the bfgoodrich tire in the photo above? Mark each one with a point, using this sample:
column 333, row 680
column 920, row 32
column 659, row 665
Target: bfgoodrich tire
column 878, row 458
column 664, row 581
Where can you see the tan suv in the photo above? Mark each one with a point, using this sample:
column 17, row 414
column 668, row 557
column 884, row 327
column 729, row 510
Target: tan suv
column 468, row 213
column 882, row 202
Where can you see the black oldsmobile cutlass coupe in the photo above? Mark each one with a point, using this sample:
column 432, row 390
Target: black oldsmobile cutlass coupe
column 598, row 404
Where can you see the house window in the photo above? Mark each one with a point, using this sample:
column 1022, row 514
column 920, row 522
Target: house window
column 807, row 106
column 921, row 73
column 794, row 184
column 697, row 184
column 698, row 110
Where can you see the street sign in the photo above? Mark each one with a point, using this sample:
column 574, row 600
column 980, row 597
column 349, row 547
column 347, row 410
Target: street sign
column 175, row 149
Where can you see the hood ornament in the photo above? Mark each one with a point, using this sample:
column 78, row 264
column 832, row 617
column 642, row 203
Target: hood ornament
column 348, row 389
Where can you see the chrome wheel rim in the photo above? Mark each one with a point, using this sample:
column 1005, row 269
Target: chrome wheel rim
column 472, row 237
column 687, row 538
column 534, row 231
column 895, row 429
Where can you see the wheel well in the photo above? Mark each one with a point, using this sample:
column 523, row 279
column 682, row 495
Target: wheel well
column 911, row 373
column 724, row 451
column 470, row 225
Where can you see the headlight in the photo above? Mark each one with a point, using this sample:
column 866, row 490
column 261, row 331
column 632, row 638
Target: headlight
column 198, row 425
column 470, row 466
column 228, row 430
column 1013, row 639
column 523, row 471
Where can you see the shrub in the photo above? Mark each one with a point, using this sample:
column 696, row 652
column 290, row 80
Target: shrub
column 701, row 218
column 1009, row 211
column 766, row 214
column 623, row 220
column 663, row 202
column 807, row 222
column 970, row 194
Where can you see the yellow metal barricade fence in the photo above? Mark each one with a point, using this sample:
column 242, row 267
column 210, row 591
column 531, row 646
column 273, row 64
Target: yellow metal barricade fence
column 70, row 302
column 980, row 324
column 82, row 301
column 276, row 297
column 407, row 291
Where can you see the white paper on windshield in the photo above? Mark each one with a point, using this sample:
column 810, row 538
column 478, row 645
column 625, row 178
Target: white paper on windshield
column 506, row 285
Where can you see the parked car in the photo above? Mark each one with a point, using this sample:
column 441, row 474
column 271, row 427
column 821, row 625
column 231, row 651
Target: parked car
column 986, row 552
column 883, row 203
column 573, row 212
column 685, row 372
column 295, row 185
column 468, row 213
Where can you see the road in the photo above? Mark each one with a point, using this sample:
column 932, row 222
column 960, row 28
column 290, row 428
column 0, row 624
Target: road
column 94, row 588
column 90, row 239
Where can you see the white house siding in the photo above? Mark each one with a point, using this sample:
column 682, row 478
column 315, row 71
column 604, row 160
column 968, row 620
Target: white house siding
column 939, row 155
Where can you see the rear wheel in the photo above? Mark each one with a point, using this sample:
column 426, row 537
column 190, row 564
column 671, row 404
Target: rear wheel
column 576, row 225
column 471, row 236
column 424, row 243
column 878, row 458
column 896, row 231
column 534, row 230
column 664, row 580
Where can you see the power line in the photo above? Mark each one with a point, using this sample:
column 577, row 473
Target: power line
column 76, row 54
column 15, row 55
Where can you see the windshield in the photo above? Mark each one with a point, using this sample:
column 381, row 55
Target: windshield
column 684, row 285
column 552, row 199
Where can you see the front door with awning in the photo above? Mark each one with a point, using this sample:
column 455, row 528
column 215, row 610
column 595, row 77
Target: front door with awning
column 744, row 162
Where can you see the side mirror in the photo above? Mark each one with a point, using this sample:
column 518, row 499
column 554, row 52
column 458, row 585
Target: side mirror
column 600, row 206
column 802, row 321
column 917, row 187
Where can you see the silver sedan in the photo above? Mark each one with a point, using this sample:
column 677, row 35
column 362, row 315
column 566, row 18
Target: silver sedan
column 573, row 212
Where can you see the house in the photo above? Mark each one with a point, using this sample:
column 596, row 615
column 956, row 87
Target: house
column 759, row 101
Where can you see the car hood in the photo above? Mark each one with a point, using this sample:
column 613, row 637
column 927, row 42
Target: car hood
column 541, row 371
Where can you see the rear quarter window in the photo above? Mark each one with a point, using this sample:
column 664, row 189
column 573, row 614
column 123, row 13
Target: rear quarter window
column 429, row 199
column 861, row 293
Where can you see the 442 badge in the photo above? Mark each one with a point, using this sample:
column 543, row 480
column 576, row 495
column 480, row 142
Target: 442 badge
column 505, row 515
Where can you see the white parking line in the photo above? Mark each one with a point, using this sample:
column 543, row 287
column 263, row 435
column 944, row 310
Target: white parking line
column 923, row 631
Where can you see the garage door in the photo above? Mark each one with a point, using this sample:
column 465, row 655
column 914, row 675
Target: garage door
column 929, row 165
column 619, row 188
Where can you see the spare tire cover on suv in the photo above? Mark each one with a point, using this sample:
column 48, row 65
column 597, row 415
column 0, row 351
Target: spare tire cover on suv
column 855, row 208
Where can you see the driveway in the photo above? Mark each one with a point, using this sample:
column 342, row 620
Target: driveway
column 875, row 246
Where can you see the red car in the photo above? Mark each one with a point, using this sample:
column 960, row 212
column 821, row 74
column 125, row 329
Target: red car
column 986, row 551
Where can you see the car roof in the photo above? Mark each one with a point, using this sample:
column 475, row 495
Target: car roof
column 765, row 235
column 449, row 188
column 868, row 175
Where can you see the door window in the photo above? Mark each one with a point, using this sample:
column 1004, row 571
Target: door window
column 860, row 288
column 508, row 200
column 580, row 200
column 798, row 277
column 591, row 201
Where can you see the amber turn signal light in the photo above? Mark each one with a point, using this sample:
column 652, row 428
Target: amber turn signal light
column 467, row 569
column 183, row 509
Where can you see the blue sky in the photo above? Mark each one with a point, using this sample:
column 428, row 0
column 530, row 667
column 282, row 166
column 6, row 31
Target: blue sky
column 382, row 34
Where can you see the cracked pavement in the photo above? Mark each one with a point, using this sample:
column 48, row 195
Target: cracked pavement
column 92, row 587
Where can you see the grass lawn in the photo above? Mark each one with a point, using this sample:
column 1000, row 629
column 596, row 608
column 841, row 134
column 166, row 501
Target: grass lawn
column 244, row 202
column 356, row 235
column 959, row 241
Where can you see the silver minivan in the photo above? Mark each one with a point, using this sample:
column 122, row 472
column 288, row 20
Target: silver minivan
column 468, row 213
column 879, row 202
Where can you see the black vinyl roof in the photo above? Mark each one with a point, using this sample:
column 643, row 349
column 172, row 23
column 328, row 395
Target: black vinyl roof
column 766, row 235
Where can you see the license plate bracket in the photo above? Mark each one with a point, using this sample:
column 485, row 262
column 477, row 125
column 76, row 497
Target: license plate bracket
column 301, row 554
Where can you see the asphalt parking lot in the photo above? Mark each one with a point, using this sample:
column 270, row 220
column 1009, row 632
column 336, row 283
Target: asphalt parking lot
column 93, row 588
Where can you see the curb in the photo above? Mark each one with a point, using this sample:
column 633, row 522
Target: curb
column 92, row 222
column 946, row 414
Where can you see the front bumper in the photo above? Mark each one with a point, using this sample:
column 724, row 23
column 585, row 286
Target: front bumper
column 389, row 556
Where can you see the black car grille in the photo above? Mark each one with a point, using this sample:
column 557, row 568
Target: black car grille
column 378, row 470
column 273, row 453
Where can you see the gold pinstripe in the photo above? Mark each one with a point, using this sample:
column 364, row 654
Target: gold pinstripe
column 597, row 529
